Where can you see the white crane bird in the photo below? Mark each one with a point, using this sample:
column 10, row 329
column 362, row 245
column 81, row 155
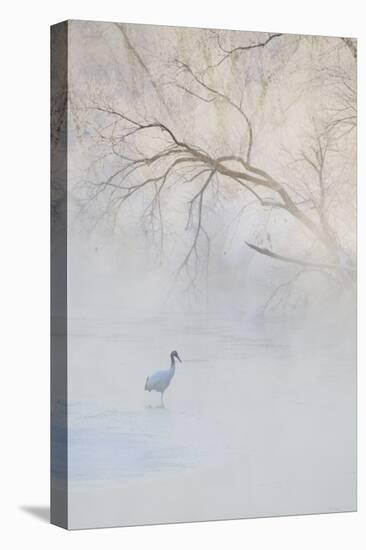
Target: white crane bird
column 160, row 380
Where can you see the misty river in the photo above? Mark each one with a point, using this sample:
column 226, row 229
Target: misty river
column 259, row 409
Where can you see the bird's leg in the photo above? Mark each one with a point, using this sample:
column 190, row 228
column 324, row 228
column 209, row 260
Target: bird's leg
column 162, row 399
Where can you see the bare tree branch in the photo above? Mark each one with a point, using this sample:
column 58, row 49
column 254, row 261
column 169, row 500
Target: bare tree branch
column 134, row 51
column 199, row 228
column 351, row 45
column 153, row 156
column 304, row 263
column 238, row 49
column 224, row 97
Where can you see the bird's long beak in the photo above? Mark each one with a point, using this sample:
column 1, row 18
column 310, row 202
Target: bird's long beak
column 179, row 359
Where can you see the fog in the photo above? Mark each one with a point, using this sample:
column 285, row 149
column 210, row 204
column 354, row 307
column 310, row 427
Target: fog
column 256, row 295
column 259, row 418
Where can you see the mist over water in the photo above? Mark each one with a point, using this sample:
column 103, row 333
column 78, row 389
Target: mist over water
column 264, row 404
column 259, row 418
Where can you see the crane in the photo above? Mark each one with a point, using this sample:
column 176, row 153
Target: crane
column 160, row 380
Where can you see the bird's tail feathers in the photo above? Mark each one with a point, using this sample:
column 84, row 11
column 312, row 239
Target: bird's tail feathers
column 147, row 384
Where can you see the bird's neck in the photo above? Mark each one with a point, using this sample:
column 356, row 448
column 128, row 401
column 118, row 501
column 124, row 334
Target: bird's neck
column 172, row 363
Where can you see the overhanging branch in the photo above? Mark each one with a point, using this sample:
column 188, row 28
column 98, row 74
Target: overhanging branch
column 289, row 259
